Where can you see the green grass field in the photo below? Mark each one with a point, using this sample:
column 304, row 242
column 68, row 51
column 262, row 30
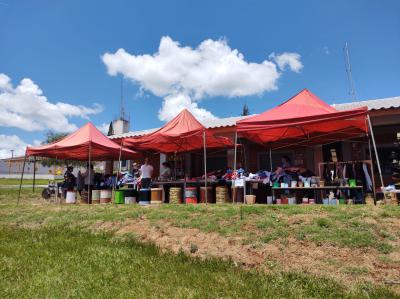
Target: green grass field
column 55, row 251
column 8, row 182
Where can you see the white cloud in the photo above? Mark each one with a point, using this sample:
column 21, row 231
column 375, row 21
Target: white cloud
column 25, row 107
column 103, row 128
column 183, row 75
column 11, row 142
column 285, row 60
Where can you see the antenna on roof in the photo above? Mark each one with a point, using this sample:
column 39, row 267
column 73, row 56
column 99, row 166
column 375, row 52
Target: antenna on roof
column 352, row 89
column 122, row 108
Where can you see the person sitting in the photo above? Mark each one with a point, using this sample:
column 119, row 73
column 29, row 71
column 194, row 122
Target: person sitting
column 165, row 172
column 69, row 182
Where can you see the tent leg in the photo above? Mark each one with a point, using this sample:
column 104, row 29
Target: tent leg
column 119, row 166
column 270, row 158
column 235, row 154
column 376, row 152
column 22, row 177
column 90, row 170
column 34, row 174
column 205, row 166
column 372, row 169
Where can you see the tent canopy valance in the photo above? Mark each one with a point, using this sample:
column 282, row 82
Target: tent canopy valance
column 303, row 120
column 183, row 133
column 87, row 143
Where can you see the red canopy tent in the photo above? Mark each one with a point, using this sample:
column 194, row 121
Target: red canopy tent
column 85, row 144
column 183, row 133
column 305, row 120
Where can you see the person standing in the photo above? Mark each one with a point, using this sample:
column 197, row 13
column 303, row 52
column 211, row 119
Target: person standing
column 146, row 172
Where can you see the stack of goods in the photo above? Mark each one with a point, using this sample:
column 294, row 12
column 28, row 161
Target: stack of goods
column 156, row 195
column 175, row 195
column 191, row 195
column 96, row 196
column 203, row 195
column 221, row 195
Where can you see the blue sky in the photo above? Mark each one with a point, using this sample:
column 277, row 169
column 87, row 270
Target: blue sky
column 59, row 46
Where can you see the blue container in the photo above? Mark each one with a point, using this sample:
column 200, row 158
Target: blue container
column 325, row 201
column 144, row 196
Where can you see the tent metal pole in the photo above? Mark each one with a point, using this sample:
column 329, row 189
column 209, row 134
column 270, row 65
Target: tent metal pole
column 235, row 154
column 34, row 174
column 22, row 177
column 205, row 166
column 270, row 158
column 90, row 170
column 372, row 169
column 234, row 168
column 376, row 152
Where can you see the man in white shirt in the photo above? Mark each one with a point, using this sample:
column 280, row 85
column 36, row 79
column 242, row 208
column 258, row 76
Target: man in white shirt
column 146, row 172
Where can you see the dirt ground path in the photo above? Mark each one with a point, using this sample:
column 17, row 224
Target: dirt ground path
column 347, row 265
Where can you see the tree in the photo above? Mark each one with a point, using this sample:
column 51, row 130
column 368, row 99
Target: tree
column 245, row 110
column 52, row 137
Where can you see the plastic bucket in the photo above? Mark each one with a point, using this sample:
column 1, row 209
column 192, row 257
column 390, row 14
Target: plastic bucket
column 311, row 201
column 305, row 200
column 156, row 195
column 352, row 183
column 333, row 201
column 325, row 201
column 129, row 200
column 119, row 197
column 342, row 201
column 292, row 200
column 269, row 200
column 70, row 197
column 191, row 195
column 284, row 201
column 293, row 184
column 144, row 196
column 250, row 199
column 105, row 196
column 95, row 196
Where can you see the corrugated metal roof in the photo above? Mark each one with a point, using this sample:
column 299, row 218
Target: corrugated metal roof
column 210, row 124
column 386, row 103
column 377, row 104
column 133, row 133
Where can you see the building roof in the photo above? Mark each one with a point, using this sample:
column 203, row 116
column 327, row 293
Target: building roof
column 386, row 103
column 209, row 124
